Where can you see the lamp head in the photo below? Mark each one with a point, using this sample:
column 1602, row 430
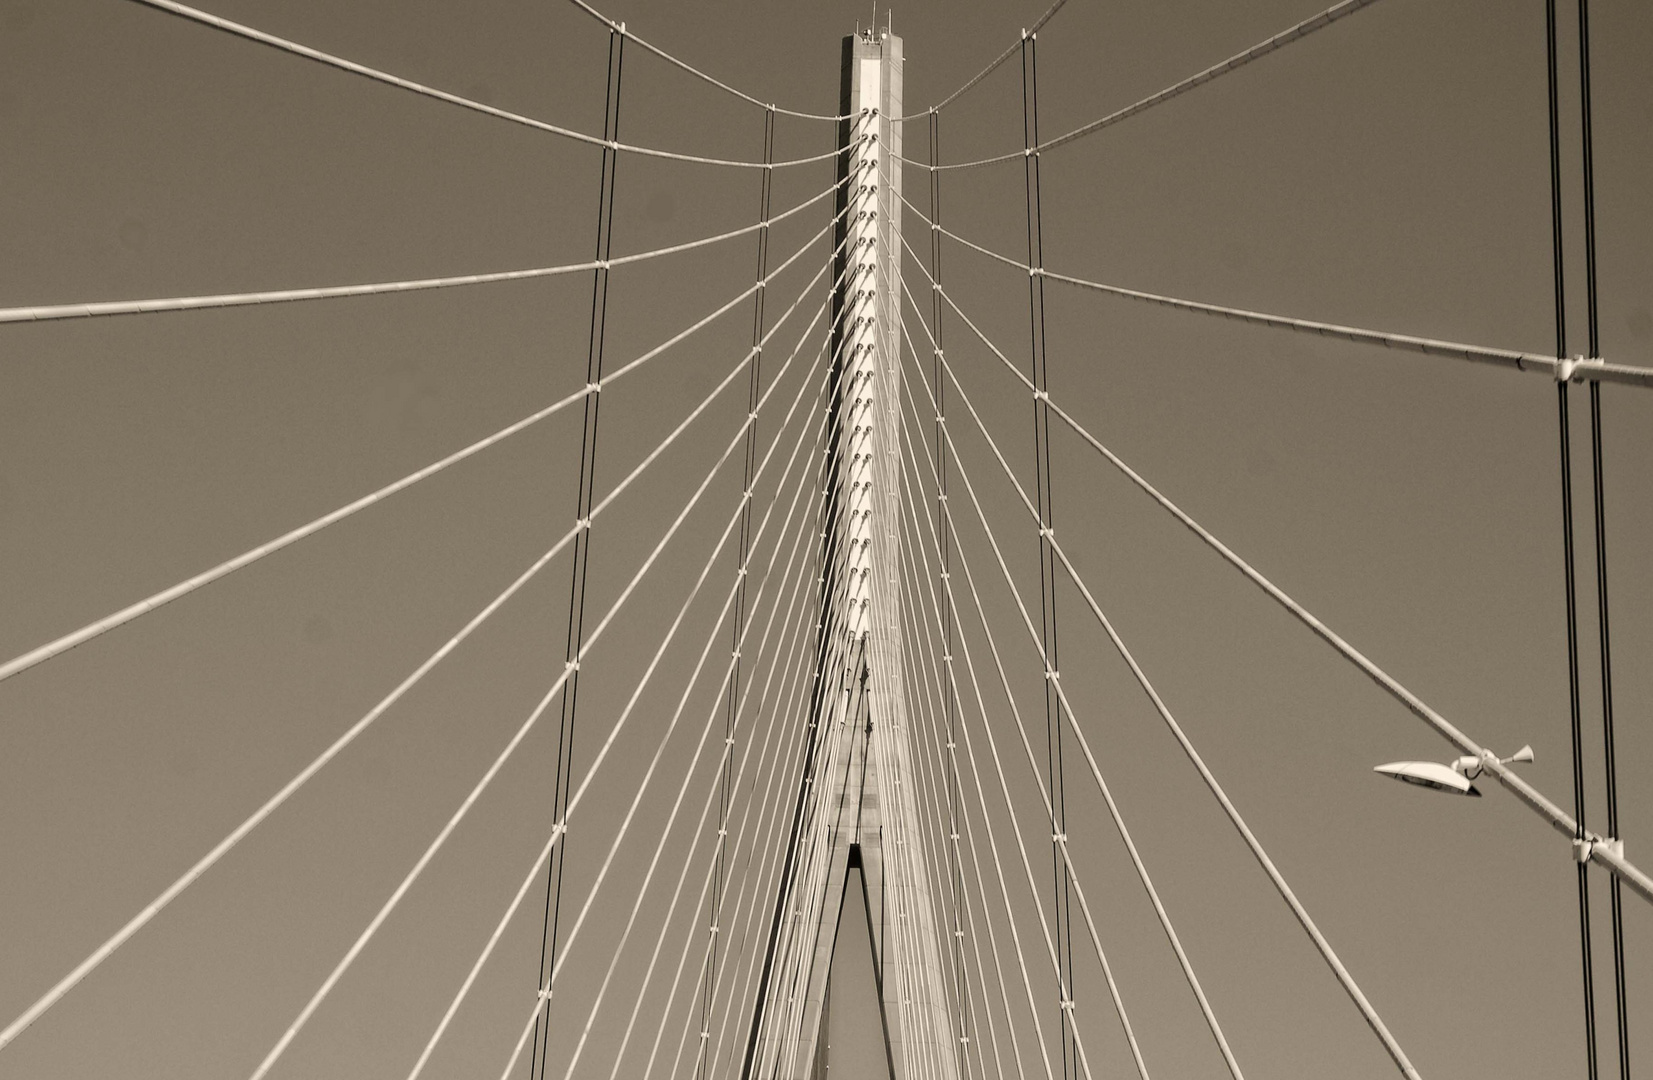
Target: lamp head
column 1429, row 774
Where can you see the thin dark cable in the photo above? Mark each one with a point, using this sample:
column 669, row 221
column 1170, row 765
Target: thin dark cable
column 1598, row 485
column 944, row 538
column 582, row 549
column 732, row 708
column 1047, row 561
column 1558, row 253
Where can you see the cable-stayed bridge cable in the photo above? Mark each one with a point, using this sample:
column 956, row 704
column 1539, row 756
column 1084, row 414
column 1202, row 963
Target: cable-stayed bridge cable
column 546, row 984
column 620, row 28
column 241, row 30
column 1113, row 810
column 569, row 672
column 992, row 66
column 138, row 921
column 1577, row 369
column 49, row 312
column 166, row 596
column 1609, row 855
column 1263, row 48
column 1027, row 747
column 1368, row 1012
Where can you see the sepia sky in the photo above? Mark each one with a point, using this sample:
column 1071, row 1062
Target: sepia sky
column 1390, row 171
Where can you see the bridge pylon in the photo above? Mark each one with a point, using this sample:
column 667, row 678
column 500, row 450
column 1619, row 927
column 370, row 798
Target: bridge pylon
column 855, row 805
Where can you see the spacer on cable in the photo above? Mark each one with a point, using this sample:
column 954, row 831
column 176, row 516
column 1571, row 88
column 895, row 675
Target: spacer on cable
column 544, row 995
column 594, row 387
column 1067, row 1004
column 1048, row 532
column 571, row 665
column 1059, row 837
column 582, row 523
column 1052, row 673
column 1041, row 395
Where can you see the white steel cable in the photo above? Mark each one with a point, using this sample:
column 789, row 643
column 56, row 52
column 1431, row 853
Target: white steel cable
column 827, row 631
column 47, row 312
column 740, row 644
column 1345, row 979
column 1576, row 369
column 143, row 917
column 1261, row 49
column 545, row 989
column 620, row 28
column 1609, row 855
column 763, row 764
column 1096, row 773
column 395, row 898
column 1069, row 1017
column 721, row 920
column 1027, row 748
column 493, row 940
column 263, row 38
column 165, row 596
column 930, row 793
column 990, row 68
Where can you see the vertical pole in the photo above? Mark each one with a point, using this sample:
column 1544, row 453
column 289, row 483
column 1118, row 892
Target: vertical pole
column 1047, row 558
column 944, row 537
column 582, row 551
column 1558, row 255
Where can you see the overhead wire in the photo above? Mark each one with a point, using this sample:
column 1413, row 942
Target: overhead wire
column 249, row 33
column 1263, row 48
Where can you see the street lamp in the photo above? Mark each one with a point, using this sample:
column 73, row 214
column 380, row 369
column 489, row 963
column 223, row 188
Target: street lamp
column 1454, row 778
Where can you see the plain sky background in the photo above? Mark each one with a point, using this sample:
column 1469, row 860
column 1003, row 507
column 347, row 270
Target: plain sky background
column 1390, row 171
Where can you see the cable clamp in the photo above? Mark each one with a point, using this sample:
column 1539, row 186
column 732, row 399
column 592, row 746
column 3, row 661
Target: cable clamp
column 544, row 995
column 730, row 741
column 712, row 929
column 1565, row 367
column 735, row 655
column 1067, row 1004
column 1059, row 837
column 594, row 387
column 559, row 828
column 1041, row 395
column 571, row 665
column 704, row 1035
column 1047, row 532
column 602, row 264
column 1582, row 849
column 1052, row 673
column 583, row 524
